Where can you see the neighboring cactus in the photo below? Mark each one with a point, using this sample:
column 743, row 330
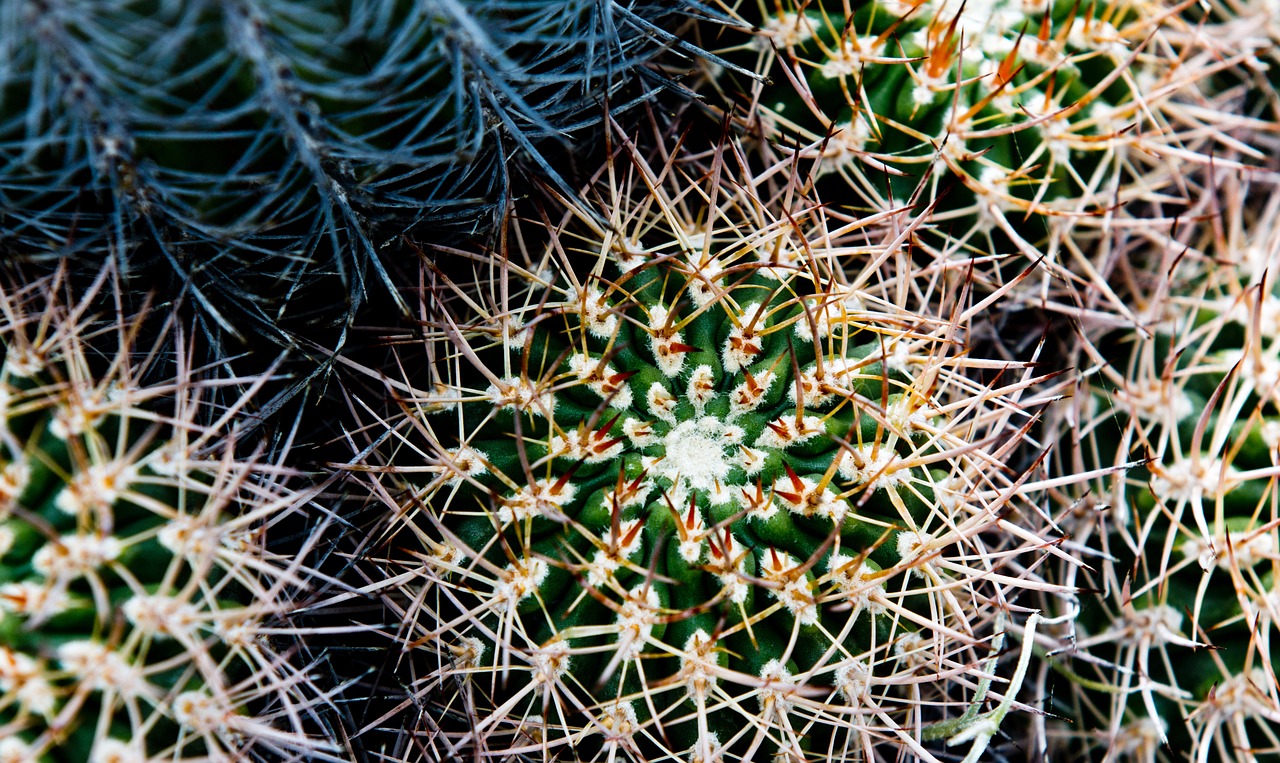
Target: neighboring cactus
column 1190, row 540
column 700, row 484
column 267, row 155
column 137, row 601
column 1012, row 126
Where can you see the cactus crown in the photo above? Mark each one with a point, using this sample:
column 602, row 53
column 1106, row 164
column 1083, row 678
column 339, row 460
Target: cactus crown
column 694, row 469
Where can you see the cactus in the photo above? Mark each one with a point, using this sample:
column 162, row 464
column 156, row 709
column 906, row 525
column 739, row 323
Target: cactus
column 137, row 600
column 253, row 152
column 700, row 485
column 1012, row 127
column 1186, row 521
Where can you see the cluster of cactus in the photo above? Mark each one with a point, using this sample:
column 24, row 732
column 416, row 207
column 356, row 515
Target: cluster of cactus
column 136, row 593
column 258, row 151
column 697, row 485
column 704, row 445
column 1188, row 417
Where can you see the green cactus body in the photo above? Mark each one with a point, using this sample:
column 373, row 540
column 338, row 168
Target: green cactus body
column 696, row 485
column 1010, row 127
column 1019, row 100
column 690, row 493
column 128, row 558
column 1196, row 529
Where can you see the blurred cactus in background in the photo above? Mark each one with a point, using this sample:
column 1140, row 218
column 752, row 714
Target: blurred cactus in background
column 266, row 156
column 140, row 611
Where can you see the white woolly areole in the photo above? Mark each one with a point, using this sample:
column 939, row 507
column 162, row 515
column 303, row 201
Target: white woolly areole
column 595, row 312
column 663, row 340
column 744, row 344
column 96, row 488
column 6, row 539
column 748, row 395
column 618, row 720
column 707, row 749
column 841, row 149
column 1185, row 480
column 103, row 668
column 629, row 254
column 518, row 582
column 28, row 598
column 1155, row 400
column 636, row 617
column 795, row 591
column 200, row 711
column 778, row 688
column 602, row 379
column 1158, row 625
column 161, row 616
column 73, row 556
column 15, row 750
column 785, row 431
column 78, row 416
column 591, row 447
column 1095, row 34
column 807, row 501
column 463, row 462
column 520, row 394
column 541, row 499
column 911, row 544
column 848, row 59
column 639, row 433
column 13, row 479
column 695, row 662
column 732, row 577
column 550, row 663
column 869, row 464
column 785, row 30
column 853, row 579
column 609, row 559
column 661, row 402
column 116, row 751
column 1140, row 739
column 468, row 653
column 1247, row 550
column 852, row 679
column 702, row 386
column 1244, row 695
column 701, row 280
column 189, row 536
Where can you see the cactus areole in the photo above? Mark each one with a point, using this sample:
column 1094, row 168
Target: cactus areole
column 693, row 476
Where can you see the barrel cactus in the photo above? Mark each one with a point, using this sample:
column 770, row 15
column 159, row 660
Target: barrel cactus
column 1188, row 416
column 700, row 484
column 137, row 600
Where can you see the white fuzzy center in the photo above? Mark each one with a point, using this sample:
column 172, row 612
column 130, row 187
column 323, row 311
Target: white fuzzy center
column 695, row 454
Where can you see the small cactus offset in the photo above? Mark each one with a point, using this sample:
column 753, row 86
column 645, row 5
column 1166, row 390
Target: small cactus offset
column 700, row 485
column 1012, row 127
column 1190, row 530
column 137, row 600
